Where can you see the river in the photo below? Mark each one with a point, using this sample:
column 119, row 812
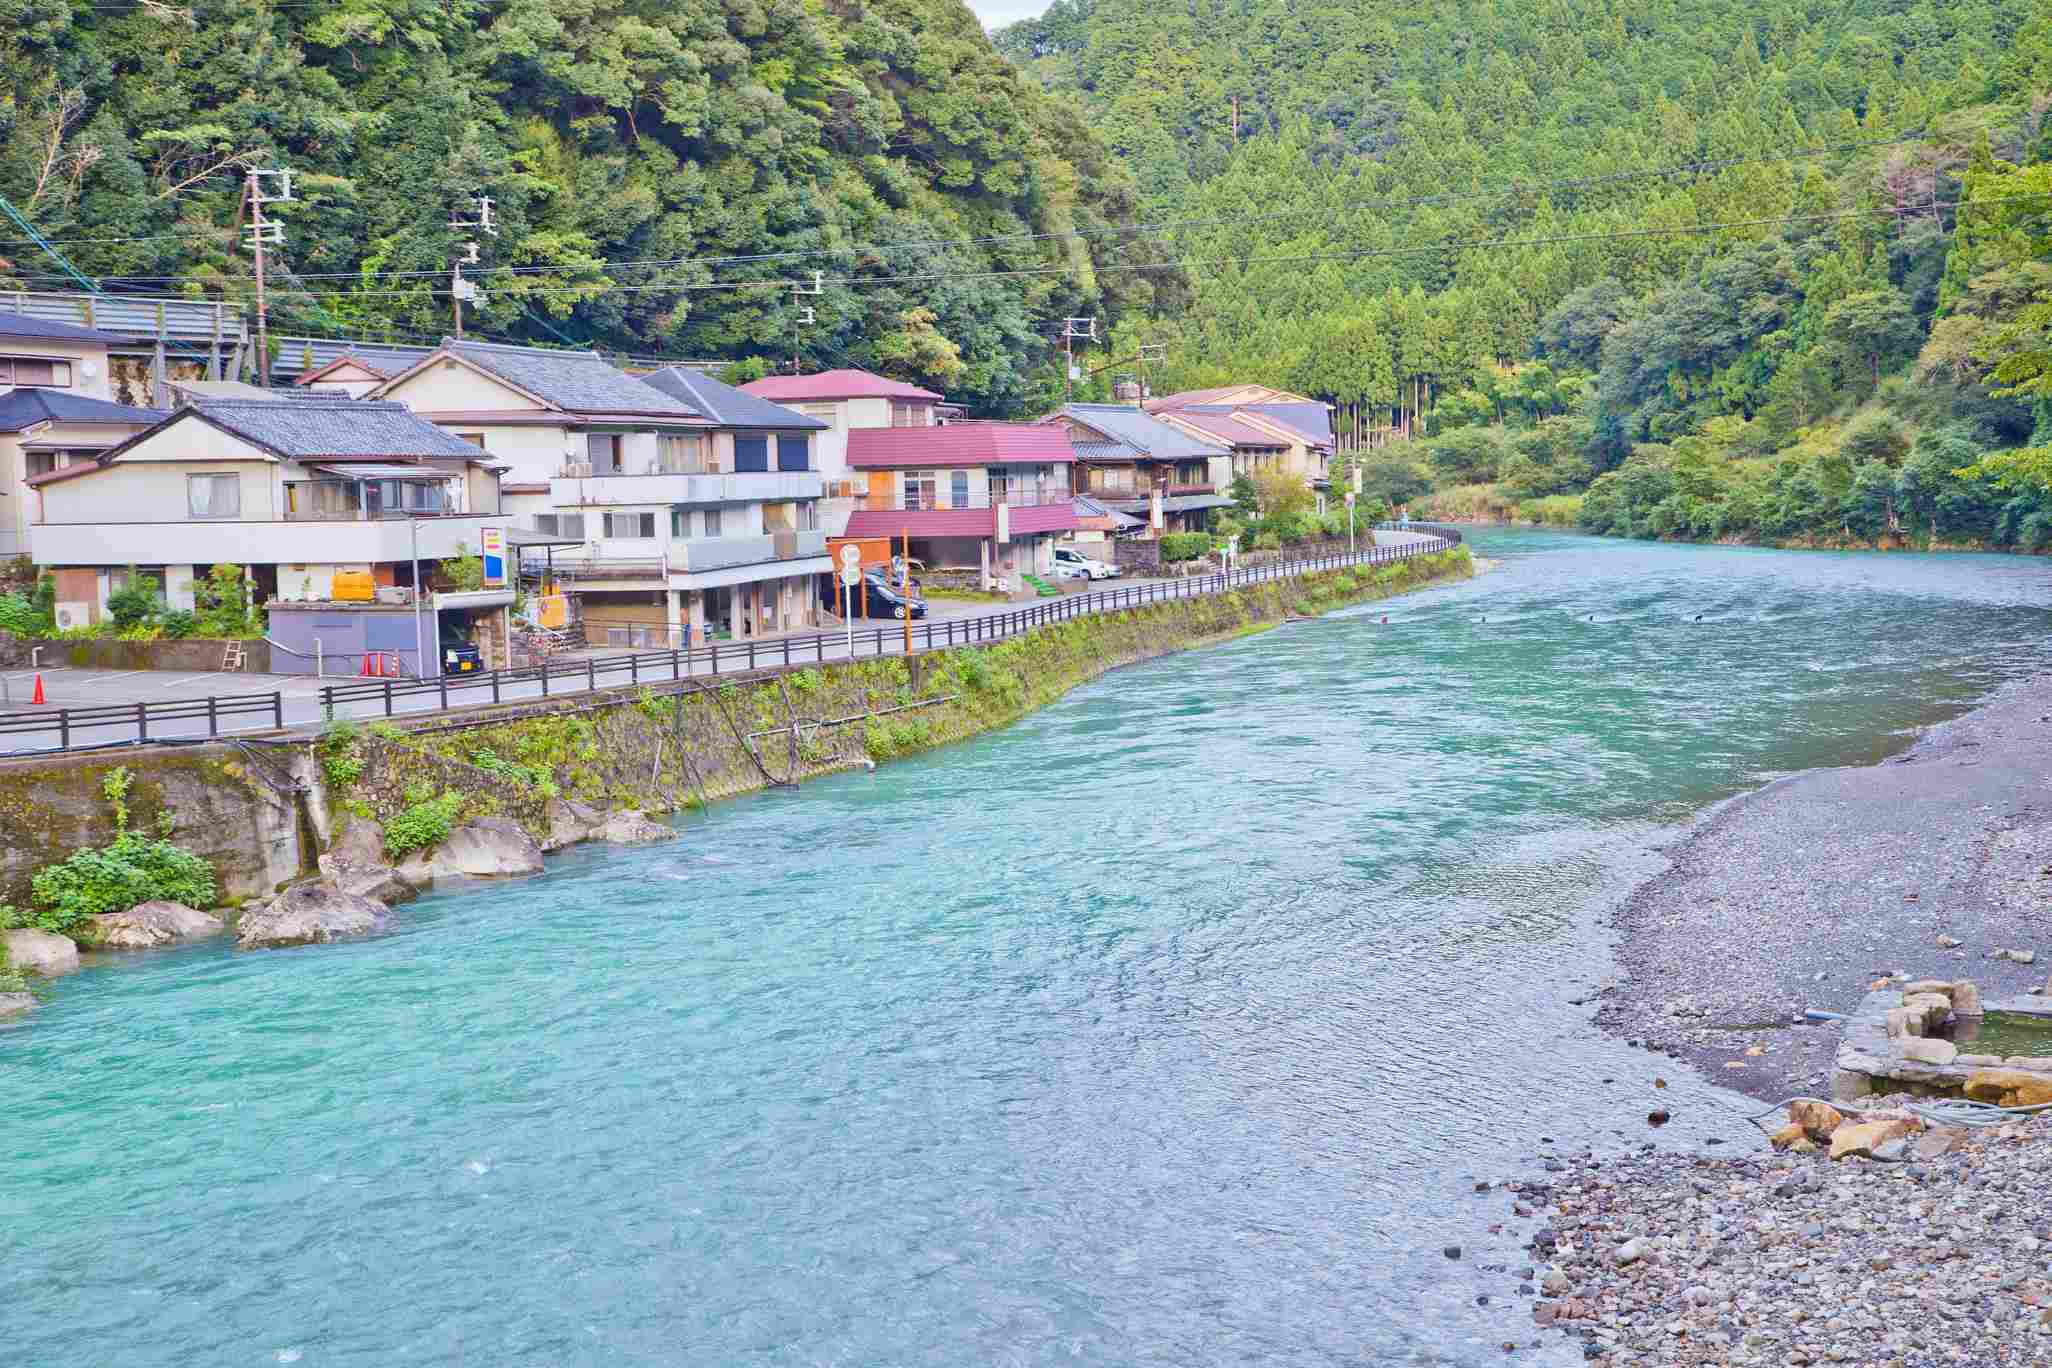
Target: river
column 1171, row 1025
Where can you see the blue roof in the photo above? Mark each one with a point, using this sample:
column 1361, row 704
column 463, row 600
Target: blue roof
column 48, row 329
column 23, row 408
column 725, row 405
column 1143, row 432
column 1314, row 420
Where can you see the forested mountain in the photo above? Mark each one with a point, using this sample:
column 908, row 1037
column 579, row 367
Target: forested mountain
column 1724, row 259
column 607, row 132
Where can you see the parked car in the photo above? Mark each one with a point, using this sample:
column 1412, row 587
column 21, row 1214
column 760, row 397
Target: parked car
column 1073, row 564
column 881, row 598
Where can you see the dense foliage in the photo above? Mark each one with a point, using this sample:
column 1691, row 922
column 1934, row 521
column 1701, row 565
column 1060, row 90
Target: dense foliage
column 132, row 869
column 1534, row 249
column 705, row 138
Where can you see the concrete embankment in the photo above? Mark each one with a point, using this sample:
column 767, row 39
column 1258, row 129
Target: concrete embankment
column 262, row 812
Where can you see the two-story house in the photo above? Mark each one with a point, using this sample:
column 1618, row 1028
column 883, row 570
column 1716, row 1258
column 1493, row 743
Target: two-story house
column 681, row 518
column 1267, row 429
column 989, row 497
column 295, row 491
column 845, row 401
column 1136, row 464
column 56, row 410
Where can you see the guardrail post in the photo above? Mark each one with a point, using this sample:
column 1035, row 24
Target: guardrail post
column 787, row 653
column 716, row 658
column 751, row 653
column 443, row 681
column 142, row 721
column 213, row 715
column 64, row 729
column 545, row 679
column 674, row 666
column 591, row 675
column 278, row 709
column 633, row 669
column 328, row 701
column 388, row 698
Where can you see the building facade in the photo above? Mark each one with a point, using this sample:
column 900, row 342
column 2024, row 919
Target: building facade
column 1131, row 462
column 847, row 401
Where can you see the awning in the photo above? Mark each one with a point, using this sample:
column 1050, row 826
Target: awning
column 383, row 472
column 1181, row 503
column 520, row 537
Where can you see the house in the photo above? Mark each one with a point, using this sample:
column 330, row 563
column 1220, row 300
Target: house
column 296, row 491
column 683, row 517
column 351, row 368
column 56, row 409
column 989, row 497
column 1266, row 428
column 848, row 400
column 1137, row 464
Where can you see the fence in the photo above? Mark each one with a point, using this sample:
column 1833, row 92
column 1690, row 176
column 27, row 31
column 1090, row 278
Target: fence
column 546, row 680
column 214, row 710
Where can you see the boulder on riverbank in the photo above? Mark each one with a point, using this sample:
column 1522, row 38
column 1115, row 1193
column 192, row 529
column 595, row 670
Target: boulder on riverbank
column 14, row 1004
column 309, row 914
column 151, row 924
column 629, row 827
column 356, row 863
column 40, row 952
column 569, row 823
column 486, row 848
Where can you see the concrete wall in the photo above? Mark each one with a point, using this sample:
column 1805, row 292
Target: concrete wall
column 155, row 492
column 193, row 655
column 83, row 356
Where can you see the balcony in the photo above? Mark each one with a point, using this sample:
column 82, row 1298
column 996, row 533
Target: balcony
column 333, row 541
column 648, row 560
column 665, row 487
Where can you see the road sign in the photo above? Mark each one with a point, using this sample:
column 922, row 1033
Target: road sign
column 851, row 575
column 1350, row 498
column 851, row 555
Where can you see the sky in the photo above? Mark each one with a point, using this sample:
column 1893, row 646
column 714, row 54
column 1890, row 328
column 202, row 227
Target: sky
column 998, row 13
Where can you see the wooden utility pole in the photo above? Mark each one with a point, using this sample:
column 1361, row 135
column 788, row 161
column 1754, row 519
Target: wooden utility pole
column 264, row 232
column 459, row 288
column 905, row 591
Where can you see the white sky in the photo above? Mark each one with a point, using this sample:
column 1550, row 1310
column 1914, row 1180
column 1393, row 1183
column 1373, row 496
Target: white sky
column 998, row 13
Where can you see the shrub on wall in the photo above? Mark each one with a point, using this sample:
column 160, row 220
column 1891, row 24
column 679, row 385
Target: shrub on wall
column 1184, row 546
column 134, row 869
column 423, row 824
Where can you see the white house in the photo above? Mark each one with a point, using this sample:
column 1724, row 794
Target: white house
column 847, row 401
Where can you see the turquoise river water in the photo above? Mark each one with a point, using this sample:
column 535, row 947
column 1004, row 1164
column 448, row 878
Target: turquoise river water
column 1171, row 1025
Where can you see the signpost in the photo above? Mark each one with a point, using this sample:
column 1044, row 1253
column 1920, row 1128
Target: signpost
column 851, row 579
column 491, row 548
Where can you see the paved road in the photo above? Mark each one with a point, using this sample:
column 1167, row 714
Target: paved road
column 299, row 697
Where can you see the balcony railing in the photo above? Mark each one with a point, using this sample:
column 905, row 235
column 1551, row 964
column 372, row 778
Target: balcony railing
column 1015, row 498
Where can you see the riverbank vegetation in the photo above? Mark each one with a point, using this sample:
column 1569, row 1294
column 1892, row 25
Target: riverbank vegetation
column 134, row 868
column 1763, row 273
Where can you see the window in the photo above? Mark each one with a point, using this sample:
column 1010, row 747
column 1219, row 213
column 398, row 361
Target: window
column 794, row 451
column 911, row 415
column 630, row 524
column 23, row 370
column 751, row 453
column 681, row 455
column 560, row 524
column 808, row 516
column 829, row 414
column 213, row 496
column 680, row 523
column 920, row 490
column 712, row 522
column 602, row 449
column 958, row 489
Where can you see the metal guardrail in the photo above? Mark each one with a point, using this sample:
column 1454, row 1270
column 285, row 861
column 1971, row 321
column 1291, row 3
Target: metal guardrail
column 215, row 708
column 719, row 658
column 138, row 723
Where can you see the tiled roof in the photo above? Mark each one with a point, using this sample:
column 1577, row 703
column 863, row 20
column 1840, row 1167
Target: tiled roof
column 1227, row 428
column 1189, row 397
column 923, row 522
column 311, row 428
column 958, row 444
column 300, row 357
column 23, row 408
column 1142, row 431
column 574, row 381
column 1103, row 451
column 726, row 405
column 49, row 330
column 1312, row 421
column 834, row 384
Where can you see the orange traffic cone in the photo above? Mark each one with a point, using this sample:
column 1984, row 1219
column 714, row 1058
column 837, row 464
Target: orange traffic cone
column 39, row 690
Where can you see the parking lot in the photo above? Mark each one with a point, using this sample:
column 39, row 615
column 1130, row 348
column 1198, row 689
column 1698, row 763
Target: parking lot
column 69, row 688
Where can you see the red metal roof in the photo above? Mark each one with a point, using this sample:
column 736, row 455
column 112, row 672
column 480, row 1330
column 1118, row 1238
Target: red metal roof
column 923, row 522
column 1055, row 517
column 833, row 384
column 958, row 444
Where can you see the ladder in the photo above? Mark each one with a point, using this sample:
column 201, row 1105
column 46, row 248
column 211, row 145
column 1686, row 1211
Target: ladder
column 233, row 656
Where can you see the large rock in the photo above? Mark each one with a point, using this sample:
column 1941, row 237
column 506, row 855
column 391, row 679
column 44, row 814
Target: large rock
column 1817, row 1119
column 631, row 828
column 356, row 863
column 2009, row 1087
column 359, row 842
column 309, row 914
column 570, row 822
column 1864, row 1137
column 40, row 952
column 152, row 924
column 487, row 848
column 1922, row 1051
column 1966, row 998
column 14, row 1004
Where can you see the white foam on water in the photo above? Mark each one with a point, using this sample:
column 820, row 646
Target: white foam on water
column 479, row 1167
column 290, row 1355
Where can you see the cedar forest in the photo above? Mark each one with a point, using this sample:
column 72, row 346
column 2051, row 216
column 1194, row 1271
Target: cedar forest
column 1761, row 271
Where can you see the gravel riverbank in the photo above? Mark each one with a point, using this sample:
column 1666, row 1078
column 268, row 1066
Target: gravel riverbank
column 1801, row 894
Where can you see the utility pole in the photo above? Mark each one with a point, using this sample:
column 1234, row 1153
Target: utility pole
column 806, row 316
column 1073, row 329
column 264, row 232
column 459, row 288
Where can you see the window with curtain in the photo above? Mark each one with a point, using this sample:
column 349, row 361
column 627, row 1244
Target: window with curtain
column 681, row 454
column 213, row 496
column 23, row 370
column 751, row 453
column 680, row 523
column 808, row 516
column 712, row 522
column 630, row 524
column 921, row 489
column 958, row 489
column 911, row 415
column 794, row 451
column 602, row 449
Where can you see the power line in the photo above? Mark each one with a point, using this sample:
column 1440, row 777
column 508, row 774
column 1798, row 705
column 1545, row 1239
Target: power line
column 1153, row 229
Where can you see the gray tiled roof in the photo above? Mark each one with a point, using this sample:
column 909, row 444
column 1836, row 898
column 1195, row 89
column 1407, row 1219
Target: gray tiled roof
column 1143, row 432
column 25, row 407
column 297, row 356
column 47, row 329
column 317, row 428
column 578, row 382
column 725, row 405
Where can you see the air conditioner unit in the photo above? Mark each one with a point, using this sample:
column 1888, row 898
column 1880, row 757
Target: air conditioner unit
column 394, row 593
column 70, row 615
